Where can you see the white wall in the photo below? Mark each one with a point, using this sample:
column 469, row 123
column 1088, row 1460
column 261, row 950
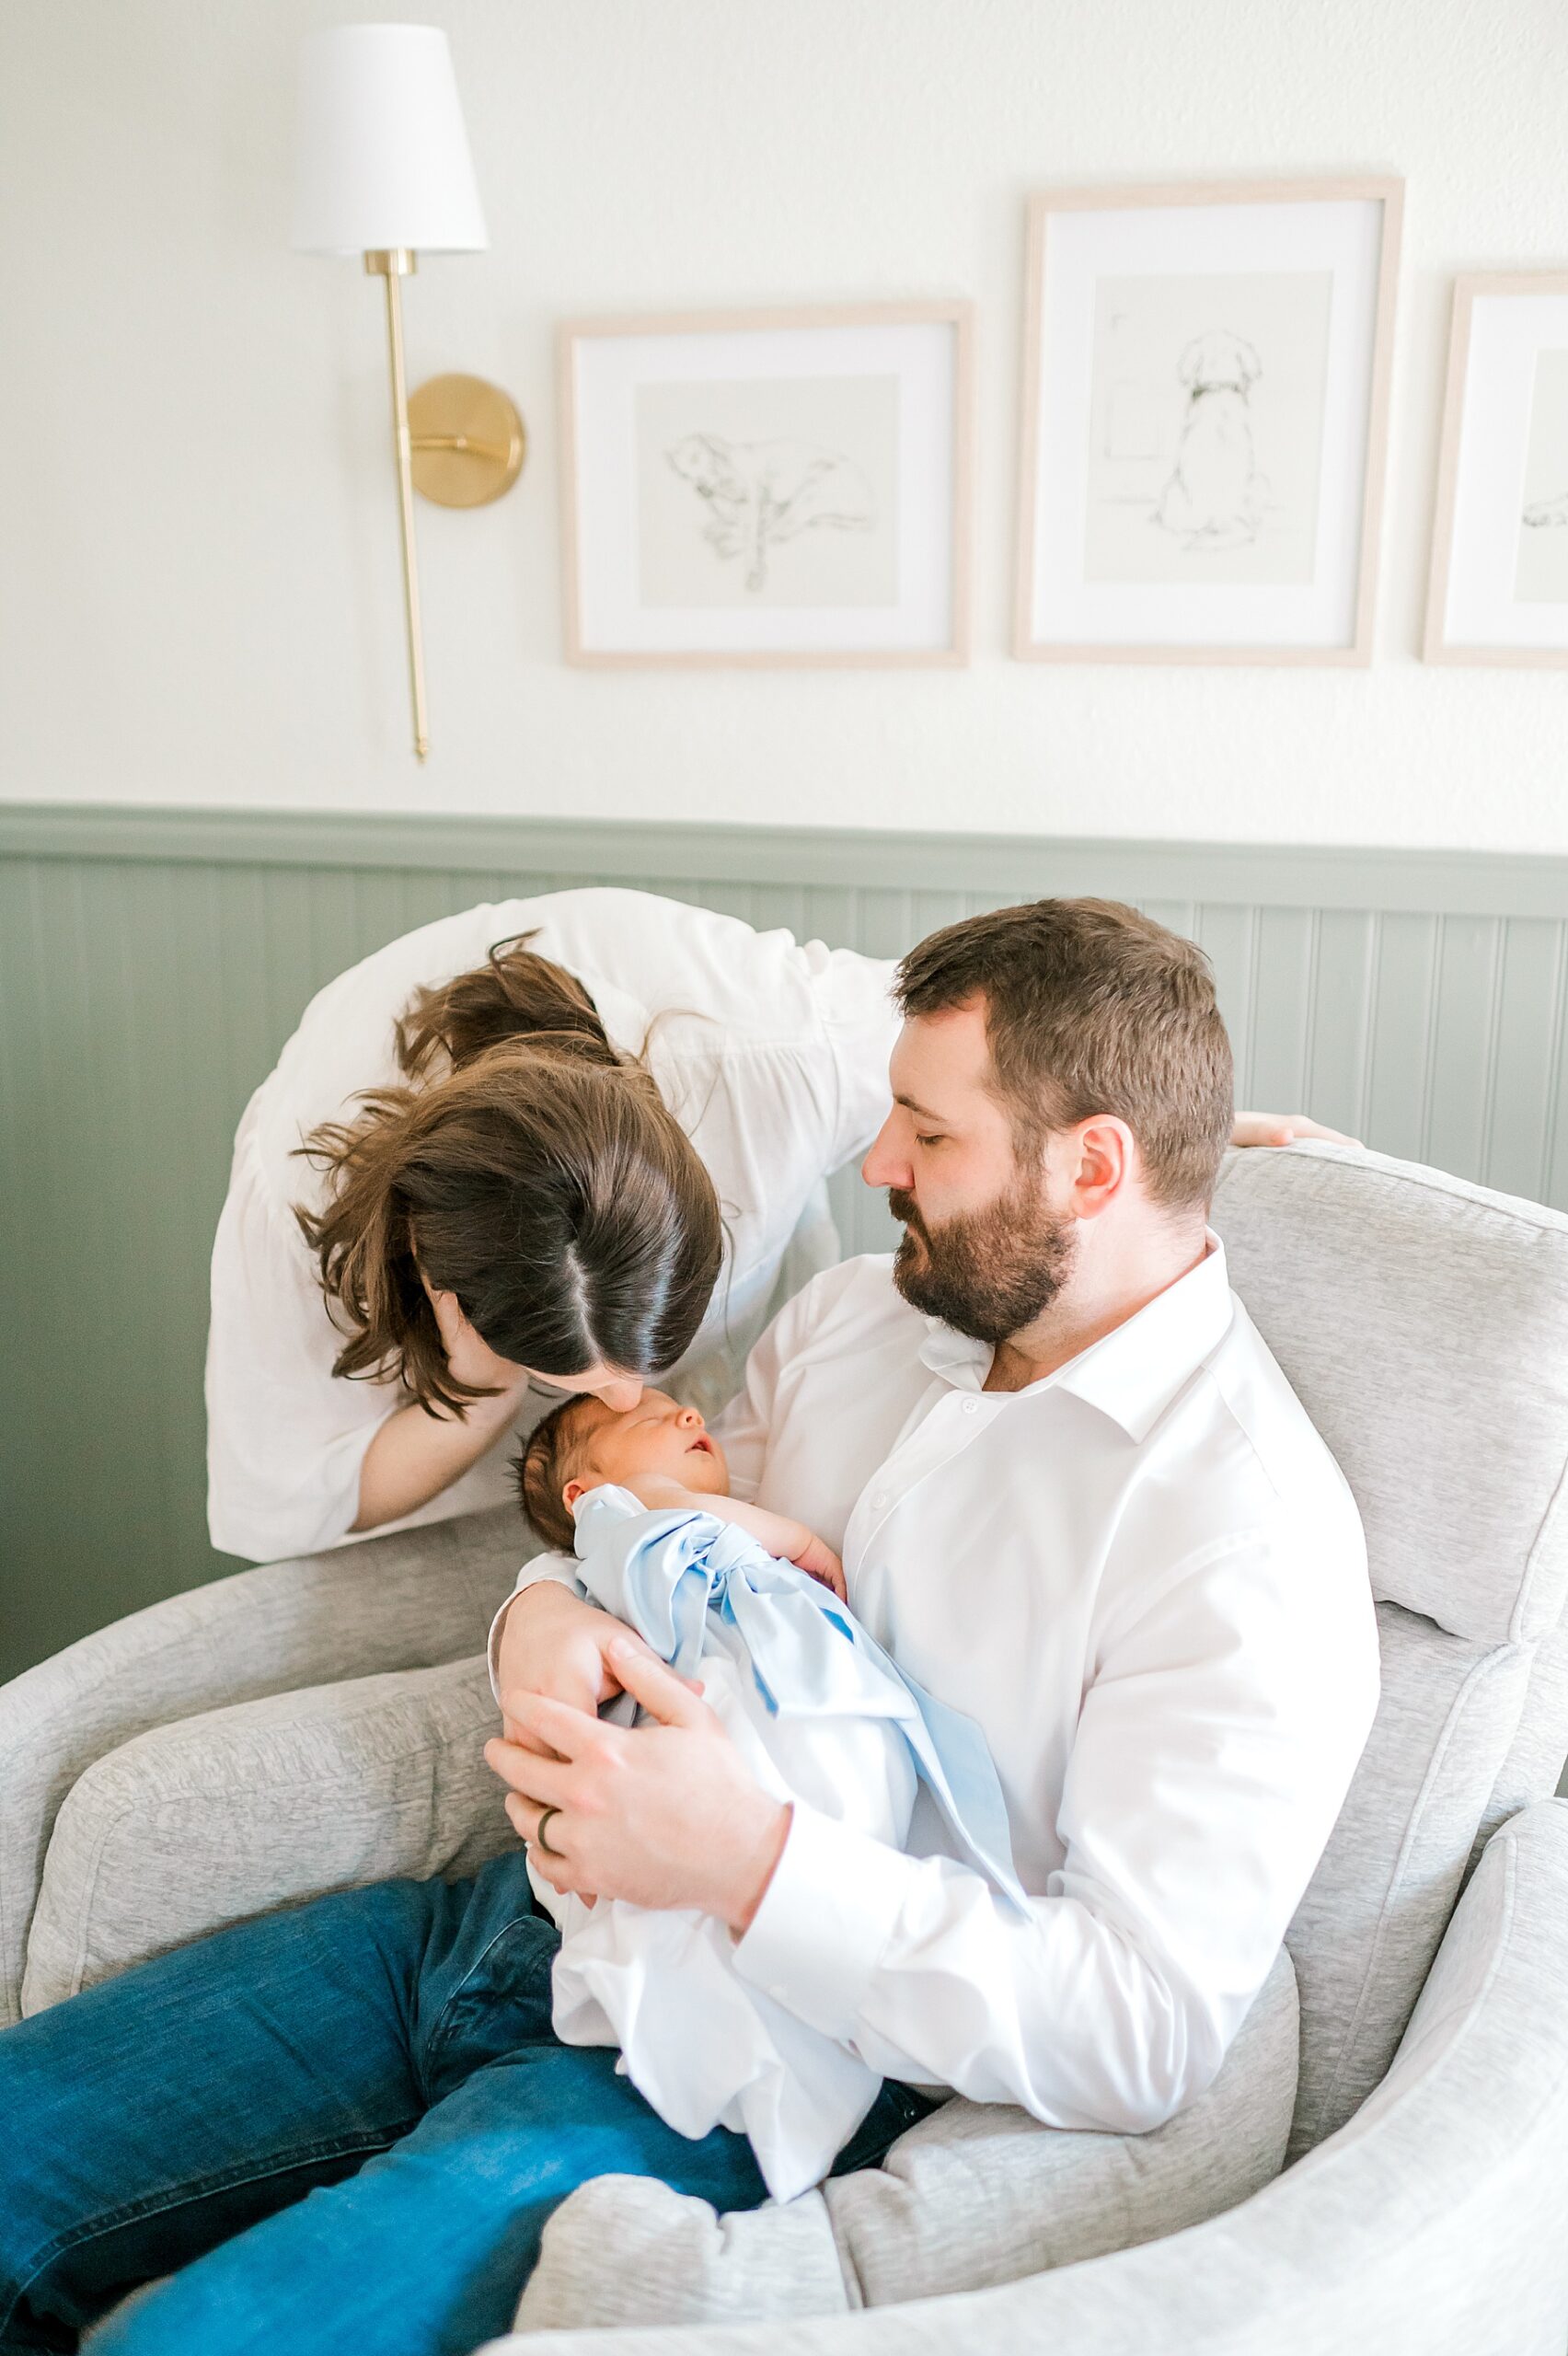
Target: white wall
column 198, row 537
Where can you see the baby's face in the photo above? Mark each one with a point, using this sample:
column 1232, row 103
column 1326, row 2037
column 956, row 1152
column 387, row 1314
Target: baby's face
column 656, row 1436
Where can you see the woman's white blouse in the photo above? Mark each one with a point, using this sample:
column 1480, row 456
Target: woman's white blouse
column 772, row 1055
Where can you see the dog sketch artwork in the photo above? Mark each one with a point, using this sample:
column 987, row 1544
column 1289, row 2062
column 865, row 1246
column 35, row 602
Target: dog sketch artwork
column 1206, row 428
column 1214, row 497
column 1540, row 572
column 769, row 493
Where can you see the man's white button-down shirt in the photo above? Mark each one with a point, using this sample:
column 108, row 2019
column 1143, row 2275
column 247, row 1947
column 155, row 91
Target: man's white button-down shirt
column 1145, row 1578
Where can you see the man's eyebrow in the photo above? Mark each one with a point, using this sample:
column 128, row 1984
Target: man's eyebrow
column 923, row 1111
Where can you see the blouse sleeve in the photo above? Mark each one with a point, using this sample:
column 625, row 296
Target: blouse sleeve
column 788, row 1087
column 860, row 1022
column 285, row 1437
column 823, row 1018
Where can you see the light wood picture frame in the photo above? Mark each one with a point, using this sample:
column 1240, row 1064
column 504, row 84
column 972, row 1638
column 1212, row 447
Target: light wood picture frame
column 1497, row 592
column 1204, row 421
column 768, row 489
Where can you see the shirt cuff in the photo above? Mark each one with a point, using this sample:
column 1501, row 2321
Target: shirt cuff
column 824, row 1921
column 558, row 1568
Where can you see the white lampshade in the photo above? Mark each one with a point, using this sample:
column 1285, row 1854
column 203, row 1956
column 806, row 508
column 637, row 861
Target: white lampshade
column 383, row 157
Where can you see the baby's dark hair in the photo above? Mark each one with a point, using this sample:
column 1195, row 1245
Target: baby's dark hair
column 555, row 1452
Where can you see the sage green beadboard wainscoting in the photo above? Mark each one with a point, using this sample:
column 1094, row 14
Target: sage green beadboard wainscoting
column 152, row 963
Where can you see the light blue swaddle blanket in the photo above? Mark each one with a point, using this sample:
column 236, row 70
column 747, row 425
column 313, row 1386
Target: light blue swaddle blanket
column 823, row 1715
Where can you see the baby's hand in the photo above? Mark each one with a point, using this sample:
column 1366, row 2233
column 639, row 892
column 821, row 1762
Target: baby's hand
column 818, row 1559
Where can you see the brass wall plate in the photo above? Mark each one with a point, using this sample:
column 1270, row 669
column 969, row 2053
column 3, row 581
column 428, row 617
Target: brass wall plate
column 466, row 440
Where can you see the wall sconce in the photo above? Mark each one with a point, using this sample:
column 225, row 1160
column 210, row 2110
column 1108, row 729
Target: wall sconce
column 383, row 169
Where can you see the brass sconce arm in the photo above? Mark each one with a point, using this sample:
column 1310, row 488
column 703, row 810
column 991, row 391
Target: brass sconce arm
column 393, row 264
column 457, row 440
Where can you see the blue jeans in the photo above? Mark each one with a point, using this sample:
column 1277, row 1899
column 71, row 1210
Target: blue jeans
column 341, row 2128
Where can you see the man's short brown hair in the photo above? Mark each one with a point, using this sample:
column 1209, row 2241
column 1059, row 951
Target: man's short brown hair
column 1092, row 1008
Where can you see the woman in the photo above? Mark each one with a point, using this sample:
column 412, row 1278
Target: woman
column 491, row 1164
column 490, row 1107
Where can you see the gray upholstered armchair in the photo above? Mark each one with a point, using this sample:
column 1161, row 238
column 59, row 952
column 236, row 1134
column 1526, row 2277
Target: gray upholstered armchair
column 1383, row 2162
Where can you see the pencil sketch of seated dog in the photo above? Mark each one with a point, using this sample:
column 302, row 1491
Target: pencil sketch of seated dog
column 1215, row 498
column 1548, row 510
column 761, row 494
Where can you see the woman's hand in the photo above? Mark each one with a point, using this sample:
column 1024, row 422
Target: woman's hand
column 470, row 1360
column 1283, row 1129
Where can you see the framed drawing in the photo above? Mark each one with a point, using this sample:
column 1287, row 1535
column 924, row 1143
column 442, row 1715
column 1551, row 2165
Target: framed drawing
column 1499, row 587
column 1204, row 413
column 767, row 487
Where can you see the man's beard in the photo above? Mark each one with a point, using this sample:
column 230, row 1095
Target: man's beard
column 987, row 1274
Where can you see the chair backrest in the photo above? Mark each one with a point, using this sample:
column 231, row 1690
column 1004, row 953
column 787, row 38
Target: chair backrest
column 1424, row 1324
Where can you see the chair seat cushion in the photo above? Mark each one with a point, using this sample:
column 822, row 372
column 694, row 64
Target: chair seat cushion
column 974, row 2194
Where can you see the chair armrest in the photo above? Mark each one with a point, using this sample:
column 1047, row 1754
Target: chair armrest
column 235, row 1812
column 415, row 1598
column 974, row 2194
column 1431, row 2222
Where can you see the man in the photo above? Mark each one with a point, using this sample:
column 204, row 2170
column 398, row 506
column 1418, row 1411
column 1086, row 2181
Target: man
column 1074, row 1496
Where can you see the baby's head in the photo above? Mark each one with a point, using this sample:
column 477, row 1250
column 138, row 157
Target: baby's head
column 583, row 1444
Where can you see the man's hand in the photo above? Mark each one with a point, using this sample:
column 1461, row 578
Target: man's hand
column 666, row 1815
column 555, row 1644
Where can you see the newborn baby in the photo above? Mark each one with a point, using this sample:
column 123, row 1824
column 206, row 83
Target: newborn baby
column 663, row 1454
column 750, row 1603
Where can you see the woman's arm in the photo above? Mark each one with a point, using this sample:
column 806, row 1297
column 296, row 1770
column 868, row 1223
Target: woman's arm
column 285, row 1439
column 415, row 1455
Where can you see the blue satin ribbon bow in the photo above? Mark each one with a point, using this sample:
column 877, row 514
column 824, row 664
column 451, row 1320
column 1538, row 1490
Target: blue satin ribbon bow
column 664, row 1572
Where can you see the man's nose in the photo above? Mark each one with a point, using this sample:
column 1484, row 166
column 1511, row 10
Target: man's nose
column 620, row 1394
column 885, row 1165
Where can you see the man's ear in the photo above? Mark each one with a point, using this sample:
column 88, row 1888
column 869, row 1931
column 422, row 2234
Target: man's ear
column 1102, row 1156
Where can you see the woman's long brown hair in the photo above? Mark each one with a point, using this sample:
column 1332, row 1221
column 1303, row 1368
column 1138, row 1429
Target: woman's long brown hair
column 534, row 1171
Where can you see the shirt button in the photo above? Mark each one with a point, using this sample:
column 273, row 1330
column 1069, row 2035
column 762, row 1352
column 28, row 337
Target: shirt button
column 972, row 1406
column 879, row 1501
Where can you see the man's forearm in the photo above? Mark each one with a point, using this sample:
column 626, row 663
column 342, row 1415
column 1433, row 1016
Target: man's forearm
column 414, row 1456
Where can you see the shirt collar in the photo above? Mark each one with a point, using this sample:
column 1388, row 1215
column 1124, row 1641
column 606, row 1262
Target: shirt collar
column 1132, row 1374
